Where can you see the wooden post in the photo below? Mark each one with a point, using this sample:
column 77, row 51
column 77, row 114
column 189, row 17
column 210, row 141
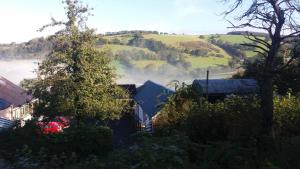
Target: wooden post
column 207, row 77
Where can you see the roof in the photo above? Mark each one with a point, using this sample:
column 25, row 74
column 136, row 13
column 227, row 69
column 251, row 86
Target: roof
column 4, row 123
column 4, row 104
column 130, row 88
column 13, row 93
column 150, row 96
column 228, row 86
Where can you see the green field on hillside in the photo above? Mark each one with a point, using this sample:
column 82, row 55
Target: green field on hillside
column 234, row 39
column 172, row 40
column 250, row 54
column 215, row 56
column 178, row 41
column 204, row 62
column 121, row 38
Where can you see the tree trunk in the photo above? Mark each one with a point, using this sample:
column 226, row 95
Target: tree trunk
column 267, row 105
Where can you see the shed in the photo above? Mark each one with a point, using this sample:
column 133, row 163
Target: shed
column 150, row 96
column 13, row 93
column 15, row 103
column 4, row 104
column 220, row 88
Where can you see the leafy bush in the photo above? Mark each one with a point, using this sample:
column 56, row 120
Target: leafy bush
column 177, row 109
column 233, row 119
column 83, row 141
column 287, row 115
column 149, row 152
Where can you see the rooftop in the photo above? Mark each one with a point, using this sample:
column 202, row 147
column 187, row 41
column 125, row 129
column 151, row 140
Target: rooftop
column 12, row 93
column 227, row 86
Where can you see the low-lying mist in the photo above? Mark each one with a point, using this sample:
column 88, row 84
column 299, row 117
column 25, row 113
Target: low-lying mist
column 167, row 75
column 17, row 70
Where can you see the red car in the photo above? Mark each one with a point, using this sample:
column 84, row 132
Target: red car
column 56, row 126
column 64, row 122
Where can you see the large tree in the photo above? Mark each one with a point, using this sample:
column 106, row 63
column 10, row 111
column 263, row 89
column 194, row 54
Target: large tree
column 76, row 78
column 280, row 20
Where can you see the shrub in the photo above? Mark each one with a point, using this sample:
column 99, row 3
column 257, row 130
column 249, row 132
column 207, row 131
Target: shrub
column 287, row 115
column 171, row 152
column 233, row 119
column 83, row 141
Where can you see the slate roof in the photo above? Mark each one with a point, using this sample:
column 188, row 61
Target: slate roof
column 12, row 93
column 150, row 95
column 4, row 123
column 4, row 104
column 228, row 86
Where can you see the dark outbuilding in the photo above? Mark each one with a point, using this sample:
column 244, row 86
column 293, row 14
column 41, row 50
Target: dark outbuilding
column 220, row 88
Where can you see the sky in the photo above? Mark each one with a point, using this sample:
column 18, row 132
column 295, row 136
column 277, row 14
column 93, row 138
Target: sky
column 22, row 18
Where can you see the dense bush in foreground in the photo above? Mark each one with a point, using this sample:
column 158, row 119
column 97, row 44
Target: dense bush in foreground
column 190, row 133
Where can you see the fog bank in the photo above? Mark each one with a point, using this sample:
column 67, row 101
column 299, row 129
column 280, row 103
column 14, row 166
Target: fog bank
column 17, row 70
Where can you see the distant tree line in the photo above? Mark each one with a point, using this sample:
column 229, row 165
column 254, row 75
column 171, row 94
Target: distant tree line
column 199, row 48
column 235, row 50
column 131, row 32
column 164, row 52
column 35, row 48
column 246, row 33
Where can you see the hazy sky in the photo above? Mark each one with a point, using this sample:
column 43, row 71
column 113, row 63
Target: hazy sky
column 21, row 18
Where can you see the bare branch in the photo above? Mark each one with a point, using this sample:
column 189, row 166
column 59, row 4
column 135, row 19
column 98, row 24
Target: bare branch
column 256, row 46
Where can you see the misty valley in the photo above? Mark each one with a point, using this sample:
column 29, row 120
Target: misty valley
column 139, row 56
column 177, row 84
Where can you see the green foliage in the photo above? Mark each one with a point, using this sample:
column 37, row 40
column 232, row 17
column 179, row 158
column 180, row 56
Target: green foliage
column 287, row 115
column 177, row 109
column 34, row 49
column 76, row 79
column 287, row 80
column 84, row 141
column 233, row 119
column 218, row 135
column 152, row 153
column 25, row 159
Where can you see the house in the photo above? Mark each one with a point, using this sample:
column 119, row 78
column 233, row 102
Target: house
column 15, row 103
column 220, row 88
column 150, row 97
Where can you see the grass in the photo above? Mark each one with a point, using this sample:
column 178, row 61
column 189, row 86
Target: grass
column 122, row 38
column 250, row 53
column 204, row 62
column 175, row 40
column 172, row 40
column 234, row 39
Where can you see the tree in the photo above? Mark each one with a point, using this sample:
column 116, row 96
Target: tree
column 278, row 18
column 76, row 79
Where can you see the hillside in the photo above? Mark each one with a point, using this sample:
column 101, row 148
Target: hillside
column 153, row 52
